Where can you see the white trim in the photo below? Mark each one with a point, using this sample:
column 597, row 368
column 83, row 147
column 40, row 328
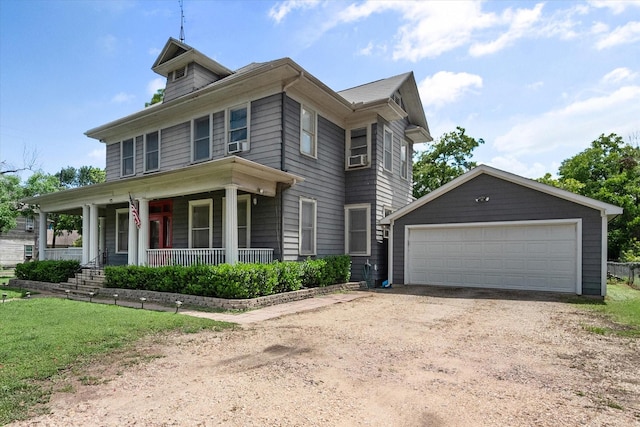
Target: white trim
column 348, row 152
column 314, row 203
column 247, row 199
column 145, row 151
column 119, row 212
column 405, row 143
column 173, row 73
column 386, row 129
column 390, row 255
column 193, row 138
column 201, row 202
column 314, row 139
column 608, row 209
column 133, row 157
column 576, row 221
column 348, row 208
column 227, row 130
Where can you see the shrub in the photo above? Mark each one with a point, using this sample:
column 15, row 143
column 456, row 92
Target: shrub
column 47, row 271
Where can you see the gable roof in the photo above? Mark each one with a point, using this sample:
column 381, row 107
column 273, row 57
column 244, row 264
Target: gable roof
column 176, row 54
column 605, row 208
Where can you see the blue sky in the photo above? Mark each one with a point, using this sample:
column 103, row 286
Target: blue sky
column 538, row 81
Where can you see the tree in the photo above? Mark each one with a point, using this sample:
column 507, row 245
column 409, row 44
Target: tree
column 10, row 194
column 156, row 98
column 443, row 161
column 609, row 170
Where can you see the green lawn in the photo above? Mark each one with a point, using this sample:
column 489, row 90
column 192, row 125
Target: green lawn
column 42, row 336
column 621, row 306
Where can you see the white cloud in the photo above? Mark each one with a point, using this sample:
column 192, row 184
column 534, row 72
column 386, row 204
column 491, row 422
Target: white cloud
column 513, row 165
column 535, row 85
column 619, row 75
column 446, row 87
column 122, row 98
column 615, row 6
column 366, row 51
column 575, row 125
column 154, row 51
column 108, row 43
column 599, row 28
column 628, row 33
column 155, row 84
column 281, row 9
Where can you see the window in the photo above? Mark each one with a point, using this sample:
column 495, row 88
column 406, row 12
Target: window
column 200, row 223
column 404, row 160
column 397, row 97
column 237, row 129
column 122, row 230
column 180, row 73
column 152, row 151
column 29, row 223
column 244, row 220
column 358, row 147
column 28, row 251
column 358, row 229
column 127, row 154
column 307, row 232
column 308, row 126
column 201, row 134
column 388, row 149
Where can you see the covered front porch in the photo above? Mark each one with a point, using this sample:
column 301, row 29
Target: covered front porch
column 176, row 215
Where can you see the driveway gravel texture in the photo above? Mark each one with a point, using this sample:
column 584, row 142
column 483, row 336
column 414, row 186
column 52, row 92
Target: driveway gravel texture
column 408, row 356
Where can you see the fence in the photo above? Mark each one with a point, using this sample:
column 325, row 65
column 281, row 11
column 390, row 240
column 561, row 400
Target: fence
column 628, row 271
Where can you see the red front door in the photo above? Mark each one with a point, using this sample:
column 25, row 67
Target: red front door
column 160, row 225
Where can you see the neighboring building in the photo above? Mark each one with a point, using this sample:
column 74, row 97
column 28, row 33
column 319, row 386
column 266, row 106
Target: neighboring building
column 265, row 162
column 19, row 244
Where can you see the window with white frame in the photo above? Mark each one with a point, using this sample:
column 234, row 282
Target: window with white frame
column 388, row 149
column 237, row 129
column 201, row 139
column 179, row 73
column 152, row 151
column 358, row 147
column 358, row 229
column 29, row 223
column 307, row 231
column 122, row 230
column 308, row 138
column 28, row 251
column 127, row 155
column 200, row 223
column 244, row 220
column 404, row 159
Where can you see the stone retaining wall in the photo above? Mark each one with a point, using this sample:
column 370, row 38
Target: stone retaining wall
column 229, row 304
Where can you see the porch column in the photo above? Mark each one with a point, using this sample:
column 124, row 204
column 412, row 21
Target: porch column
column 42, row 235
column 86, row 238
column 143, row 232
column 132, row 242
column 101, row 238
column 93, row 233
column 231, row 230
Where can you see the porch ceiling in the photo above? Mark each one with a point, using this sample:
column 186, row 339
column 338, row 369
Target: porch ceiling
column 213, row 175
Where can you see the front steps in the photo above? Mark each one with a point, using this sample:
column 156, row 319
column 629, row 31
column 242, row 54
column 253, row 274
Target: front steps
column 87, row 281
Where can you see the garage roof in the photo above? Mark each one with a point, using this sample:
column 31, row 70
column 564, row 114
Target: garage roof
column 605, row 208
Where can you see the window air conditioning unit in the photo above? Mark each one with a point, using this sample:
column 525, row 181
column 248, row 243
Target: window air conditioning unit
column 359, row 160
column 29, row 227
column 236, row 147
column 385, row 233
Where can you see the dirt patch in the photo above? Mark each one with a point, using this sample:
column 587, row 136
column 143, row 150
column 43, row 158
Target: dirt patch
column 413, row 356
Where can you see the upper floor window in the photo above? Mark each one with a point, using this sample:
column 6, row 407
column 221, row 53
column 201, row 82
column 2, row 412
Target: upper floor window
column 127, row 154
column 307, row 221
column 151, row 151
column 388, row 149
column 122, row 230
column 404, row 160
column 180, row 73
column 397, row 97
column 358, row 147
column 308, row 126
column 201, row 139
column 237, row 129
column 358, row 229
column 29, row 223
column 200, row 223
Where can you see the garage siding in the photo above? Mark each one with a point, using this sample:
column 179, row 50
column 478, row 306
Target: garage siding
column 507, row 202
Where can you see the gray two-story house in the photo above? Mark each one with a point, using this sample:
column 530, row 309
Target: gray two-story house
column 262, row 163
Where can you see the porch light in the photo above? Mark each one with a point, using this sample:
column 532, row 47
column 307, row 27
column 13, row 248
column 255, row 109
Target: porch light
column 115, row 299
column 4, row 297
column 178, row 304
column 66, row 291
column 91, row 294
column 142, row 300
column 482, row 199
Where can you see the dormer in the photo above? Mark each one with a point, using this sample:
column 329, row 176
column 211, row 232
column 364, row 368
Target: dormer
column 186, row 69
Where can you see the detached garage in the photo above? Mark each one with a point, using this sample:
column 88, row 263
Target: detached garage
column 489, row 228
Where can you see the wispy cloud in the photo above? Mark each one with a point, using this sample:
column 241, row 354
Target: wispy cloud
column 615, row 6
column 619, row 75
column 625, row 34
column 108, row 43
column 446, row 87
column 280, row 10
column 122, row 97
column 155, row 84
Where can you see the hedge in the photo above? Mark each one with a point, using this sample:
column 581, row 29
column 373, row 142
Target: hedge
column 232, row 281
column 47, row 271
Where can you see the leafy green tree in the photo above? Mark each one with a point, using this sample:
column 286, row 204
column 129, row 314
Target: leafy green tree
column 156, row 98
column 609, row 170
column 10, row 193
column 446, row 159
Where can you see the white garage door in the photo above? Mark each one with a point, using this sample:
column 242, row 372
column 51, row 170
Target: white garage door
column 519, row 255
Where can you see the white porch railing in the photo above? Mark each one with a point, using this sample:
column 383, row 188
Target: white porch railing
column 59, row 254
column 211, row 256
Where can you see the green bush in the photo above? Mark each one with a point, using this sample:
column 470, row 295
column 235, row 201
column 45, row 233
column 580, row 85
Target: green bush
column 47, row 271
column 232, row 281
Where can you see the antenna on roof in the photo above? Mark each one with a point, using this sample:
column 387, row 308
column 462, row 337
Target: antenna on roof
column 181, row 21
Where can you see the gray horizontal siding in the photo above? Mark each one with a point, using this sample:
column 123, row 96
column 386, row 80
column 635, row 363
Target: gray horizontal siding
column 175, row 146
column 508, row 202
column 265, row 131
column 113, row 162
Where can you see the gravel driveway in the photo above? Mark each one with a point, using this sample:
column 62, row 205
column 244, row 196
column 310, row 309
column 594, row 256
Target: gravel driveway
column 412, row 356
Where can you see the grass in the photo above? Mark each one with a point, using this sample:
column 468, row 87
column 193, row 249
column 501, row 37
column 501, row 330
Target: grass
column 44, row 336
column 621, row 306
column 14, row 292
